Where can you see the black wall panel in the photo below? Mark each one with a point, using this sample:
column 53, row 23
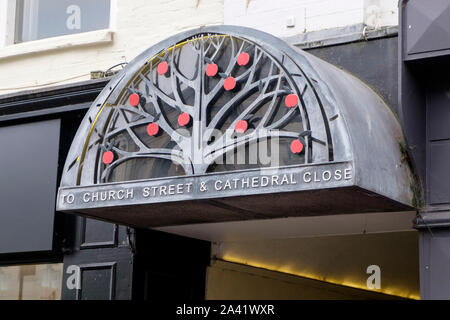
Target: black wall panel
column 98, row 281
column 102, row 252
column 438, row 172
column 362, row 59
column 438, row 109
column 427, row 28
column 434, row 264
column 105, row 274
column 96, row 234
column 438, row 137
column 28, row 182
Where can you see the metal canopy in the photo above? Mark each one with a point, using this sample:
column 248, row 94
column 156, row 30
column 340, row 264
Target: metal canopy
column 228, row 123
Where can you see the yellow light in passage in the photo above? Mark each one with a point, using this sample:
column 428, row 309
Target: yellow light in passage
column 256, row 264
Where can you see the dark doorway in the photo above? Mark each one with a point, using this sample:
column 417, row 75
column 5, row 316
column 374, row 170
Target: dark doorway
column 169, row 266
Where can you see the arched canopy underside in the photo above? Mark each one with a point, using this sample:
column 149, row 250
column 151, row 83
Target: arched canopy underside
column 227, row 123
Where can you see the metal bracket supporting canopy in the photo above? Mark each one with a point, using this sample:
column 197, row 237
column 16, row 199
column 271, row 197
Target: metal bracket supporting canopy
column 154, row 147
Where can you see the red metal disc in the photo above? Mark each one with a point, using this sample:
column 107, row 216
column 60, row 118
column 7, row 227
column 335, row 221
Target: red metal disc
column 108, row 157
column 241, row 126
column 291, row 100
column 162, row 68
column 152, row 129
column 183, row 119
column 296, row 146
column 133, row 99
column 211, row 69
column 243, row 58
column 229, row 83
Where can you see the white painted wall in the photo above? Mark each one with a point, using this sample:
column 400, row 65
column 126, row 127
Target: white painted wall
column 378, row 13
column 309, row 15
column 138, row 24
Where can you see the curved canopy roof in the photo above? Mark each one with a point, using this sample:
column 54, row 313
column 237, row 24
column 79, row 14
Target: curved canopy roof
column 226, row 123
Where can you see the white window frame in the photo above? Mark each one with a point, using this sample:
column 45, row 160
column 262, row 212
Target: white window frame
column 10, row 49
column 7, row 22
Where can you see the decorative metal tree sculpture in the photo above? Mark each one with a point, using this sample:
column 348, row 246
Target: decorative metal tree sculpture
column 198, row 101
column 195, row 116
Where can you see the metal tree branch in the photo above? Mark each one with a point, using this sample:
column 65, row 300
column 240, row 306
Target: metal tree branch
column 193, row 149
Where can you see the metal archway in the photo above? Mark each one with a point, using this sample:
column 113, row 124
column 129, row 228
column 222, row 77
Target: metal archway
column 155, row 146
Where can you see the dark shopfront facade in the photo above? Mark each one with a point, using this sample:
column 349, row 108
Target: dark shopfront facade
column 106, row 250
